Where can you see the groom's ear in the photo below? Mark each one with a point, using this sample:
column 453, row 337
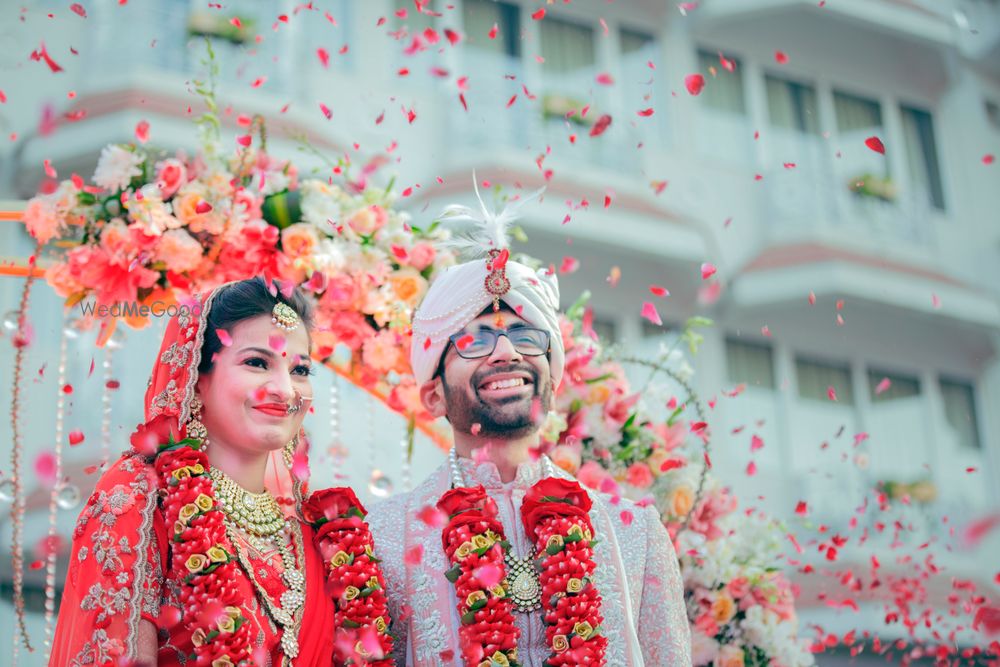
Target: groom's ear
column 432, row 396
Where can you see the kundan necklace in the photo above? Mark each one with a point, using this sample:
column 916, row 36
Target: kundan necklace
column 259, row 517
column 522, row 583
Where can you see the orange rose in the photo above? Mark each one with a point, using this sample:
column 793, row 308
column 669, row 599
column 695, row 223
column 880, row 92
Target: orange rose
column 723, row 608
column 681, row 500
column 730, row 656
column 299, row 240
column 408, row 285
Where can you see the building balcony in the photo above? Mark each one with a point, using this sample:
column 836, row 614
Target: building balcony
column 923, row 21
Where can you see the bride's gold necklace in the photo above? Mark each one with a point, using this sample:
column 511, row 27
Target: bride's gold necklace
column 260, row 518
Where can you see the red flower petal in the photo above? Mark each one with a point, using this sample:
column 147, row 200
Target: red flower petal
column 875, row 144
column 694, row 83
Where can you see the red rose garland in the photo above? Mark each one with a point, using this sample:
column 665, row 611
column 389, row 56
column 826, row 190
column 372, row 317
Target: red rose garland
column 354, row 578
column 555, row 513
column 203, row 557
column 474, row 543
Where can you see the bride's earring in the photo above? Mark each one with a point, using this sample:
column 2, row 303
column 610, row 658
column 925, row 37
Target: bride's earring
column 195, row 428
column 288, row 453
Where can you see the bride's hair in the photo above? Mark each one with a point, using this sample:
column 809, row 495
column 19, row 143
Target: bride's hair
column 242, row 301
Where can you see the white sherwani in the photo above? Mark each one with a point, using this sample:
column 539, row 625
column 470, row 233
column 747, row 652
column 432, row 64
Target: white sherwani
column 637, row 576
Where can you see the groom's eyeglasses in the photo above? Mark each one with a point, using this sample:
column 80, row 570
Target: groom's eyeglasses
column 478, row 344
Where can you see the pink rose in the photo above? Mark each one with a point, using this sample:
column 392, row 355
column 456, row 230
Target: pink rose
column 738, row 587
column 368, row 220
column 639, row 475
column 422, row 255
column 171, row 174
column 179, row 250
column 591, row 474
column 342, row 292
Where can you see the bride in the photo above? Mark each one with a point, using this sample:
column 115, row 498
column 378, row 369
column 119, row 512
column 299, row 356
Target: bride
column 193, row 548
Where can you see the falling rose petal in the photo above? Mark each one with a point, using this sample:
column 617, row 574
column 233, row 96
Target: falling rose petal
column 831, row 393
column 645, row 113
column 765, row 331
column 987, row 621
column 659, row 291
column 587, row 325
column 202, row 207
column 812, row 299
column 326, row 111
column 464, row 342
column 488, row 576
column 244, row 140
column 707, row 271
column 75, row 438
column 604, row 79
column 78, row 9
column 276, row 342
column 672, row 464
column 42, row 54
column 539, row 15
column 432, row 516
column 324, row 57
column 975, row 531
column 112, row 384
column 694, row 83
column 875, row 144
column 727, row 64
column 224, row 337
column 989, row 159
column 935, row 301
column 601, row 125
column 649, row 312
column 882, row 386
column 475, row 429
column 49, row 169
column 453, row 37
column 142, row 131
column 627, row 517
column 802, row 509
column 45, row 468
column 67, row 389
column 492, row 34
column 751, row 469
column 569, row 265
column 756, row 443
column 414, row 555
column 781, row 57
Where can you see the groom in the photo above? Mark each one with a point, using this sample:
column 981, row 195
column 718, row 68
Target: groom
column 499, row 558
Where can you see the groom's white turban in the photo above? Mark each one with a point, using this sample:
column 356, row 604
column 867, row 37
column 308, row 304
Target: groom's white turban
column 460, row 294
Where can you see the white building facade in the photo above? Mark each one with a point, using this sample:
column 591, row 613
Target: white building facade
column 841, row 271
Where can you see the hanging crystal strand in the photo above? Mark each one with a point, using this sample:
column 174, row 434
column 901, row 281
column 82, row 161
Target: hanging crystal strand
column 405, row 476
column 21, row 340
column 379, row 484
column 51, row 554
column 106, row 406
column 335, row 450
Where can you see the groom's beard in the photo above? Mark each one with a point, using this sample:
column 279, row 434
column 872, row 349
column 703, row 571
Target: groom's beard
column 508, row 418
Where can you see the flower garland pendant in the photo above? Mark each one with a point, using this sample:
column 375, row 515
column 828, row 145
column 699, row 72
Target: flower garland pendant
column 522, row 583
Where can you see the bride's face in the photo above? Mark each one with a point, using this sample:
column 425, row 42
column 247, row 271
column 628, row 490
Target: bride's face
column 253, row 383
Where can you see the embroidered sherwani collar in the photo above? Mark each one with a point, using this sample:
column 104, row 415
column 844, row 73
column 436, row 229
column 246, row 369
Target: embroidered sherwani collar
column 487, row 474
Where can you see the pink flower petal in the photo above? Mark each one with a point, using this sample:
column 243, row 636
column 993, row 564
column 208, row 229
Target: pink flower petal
column 75, row 438
column 659, row 291
column 276, row 342
column 569, row 265
column 756, row 443
column 224, row 337
column 142, row 131
column 604, row 79
column 989, row 159
column 694, row 83
column 539, row 15
column 414, row 555
column 601, row 125
column 488, row 576
column 649, row 312
column 751, row 469
column 831, row 393
column 875, row 144
column 883, row 384
column 324, row 57
column 707, row 271
column 781, row 57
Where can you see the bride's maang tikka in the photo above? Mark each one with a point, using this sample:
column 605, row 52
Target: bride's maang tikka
column 284, row 317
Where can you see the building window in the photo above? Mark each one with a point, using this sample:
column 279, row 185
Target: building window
column 479, row 17
column 792, row 106
column 884, row 387
column 634, row 41
column 566, row 47
column 752, row 363
column 960, row 411
column 723, row 89
column 857, row 119
column 816, row 378
column 993, row 114
column 921, row 154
